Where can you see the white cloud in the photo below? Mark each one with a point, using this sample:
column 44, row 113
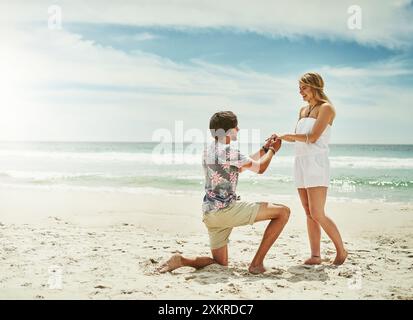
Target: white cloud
column 43, row 57
column 389, row 68
column 142, row 36
column 387, row 23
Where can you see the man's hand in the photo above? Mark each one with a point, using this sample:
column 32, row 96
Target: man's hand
column 270, row 140
column 275, row 144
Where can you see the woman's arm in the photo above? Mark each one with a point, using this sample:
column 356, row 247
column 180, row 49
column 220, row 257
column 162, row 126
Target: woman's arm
column 287, row 137
column 325, row 114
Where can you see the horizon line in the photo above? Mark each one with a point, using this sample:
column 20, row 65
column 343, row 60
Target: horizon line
column 136, row 141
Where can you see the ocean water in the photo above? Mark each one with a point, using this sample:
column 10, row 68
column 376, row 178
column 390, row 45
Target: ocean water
column 378, row 172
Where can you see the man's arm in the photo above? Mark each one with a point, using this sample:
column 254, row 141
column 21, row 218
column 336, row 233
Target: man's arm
column 261, row 165
column 257, row 155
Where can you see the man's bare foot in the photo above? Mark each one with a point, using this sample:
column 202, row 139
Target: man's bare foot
column 313, row 260
column 340, row 258
column 173, row 263
column 257, row 269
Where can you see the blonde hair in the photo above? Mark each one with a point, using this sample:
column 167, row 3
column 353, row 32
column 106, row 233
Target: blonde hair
column 316, row 82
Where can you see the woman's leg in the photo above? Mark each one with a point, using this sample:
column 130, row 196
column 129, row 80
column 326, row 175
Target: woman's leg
column 317, row 199
column 313, row 228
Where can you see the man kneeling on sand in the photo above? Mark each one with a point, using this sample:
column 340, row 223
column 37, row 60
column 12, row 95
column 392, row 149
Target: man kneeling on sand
column 222, row 162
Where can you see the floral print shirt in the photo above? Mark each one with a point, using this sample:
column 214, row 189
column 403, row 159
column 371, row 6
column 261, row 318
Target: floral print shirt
column 221, row 163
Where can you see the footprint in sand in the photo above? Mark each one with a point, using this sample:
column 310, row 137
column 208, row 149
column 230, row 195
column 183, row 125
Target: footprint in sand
column 361, row 250
column 232, row 288
column 100, row 286
column 347, row 273
column 270, row 290
column 126, row 292
column 275, row 271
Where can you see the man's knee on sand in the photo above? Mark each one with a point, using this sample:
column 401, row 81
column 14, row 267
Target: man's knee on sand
column 220, row 255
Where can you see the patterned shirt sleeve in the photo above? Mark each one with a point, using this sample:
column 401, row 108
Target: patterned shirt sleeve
column 237, row 158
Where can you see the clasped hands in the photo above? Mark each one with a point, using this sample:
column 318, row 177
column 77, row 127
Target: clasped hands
column 273, row 142
column 274, row 138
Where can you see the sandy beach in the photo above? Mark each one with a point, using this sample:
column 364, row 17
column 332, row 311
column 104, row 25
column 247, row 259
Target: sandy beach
column 60, row 244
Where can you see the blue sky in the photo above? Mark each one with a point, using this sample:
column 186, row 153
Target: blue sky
column 233, row 47
column 121, row 72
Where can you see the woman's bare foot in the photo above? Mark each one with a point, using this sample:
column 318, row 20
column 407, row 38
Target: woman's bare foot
column 340, row 258
column 173, row 263
column 313, row 260
column 257, row 269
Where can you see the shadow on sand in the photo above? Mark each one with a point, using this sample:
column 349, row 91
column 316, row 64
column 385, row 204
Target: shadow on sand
column 214, row 274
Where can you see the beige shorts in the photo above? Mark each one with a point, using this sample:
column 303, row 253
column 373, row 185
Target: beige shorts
column 221, row 222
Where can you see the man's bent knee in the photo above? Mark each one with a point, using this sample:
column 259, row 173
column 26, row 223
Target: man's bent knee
column 285, row 213
column 270, row 211
column 280, row 211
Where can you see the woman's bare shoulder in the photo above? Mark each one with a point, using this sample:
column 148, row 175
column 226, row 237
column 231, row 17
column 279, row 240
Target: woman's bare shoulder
column 328, row 107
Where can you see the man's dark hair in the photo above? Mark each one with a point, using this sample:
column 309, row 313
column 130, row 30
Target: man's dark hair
column 221, row 122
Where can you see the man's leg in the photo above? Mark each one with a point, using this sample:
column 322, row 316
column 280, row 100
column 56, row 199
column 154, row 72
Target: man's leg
column 278, row 214
column 219, row 255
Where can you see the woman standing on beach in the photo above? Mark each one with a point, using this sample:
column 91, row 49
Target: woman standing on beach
column 312, row 166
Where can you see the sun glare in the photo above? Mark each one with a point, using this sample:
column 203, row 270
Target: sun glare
column 11, row 104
